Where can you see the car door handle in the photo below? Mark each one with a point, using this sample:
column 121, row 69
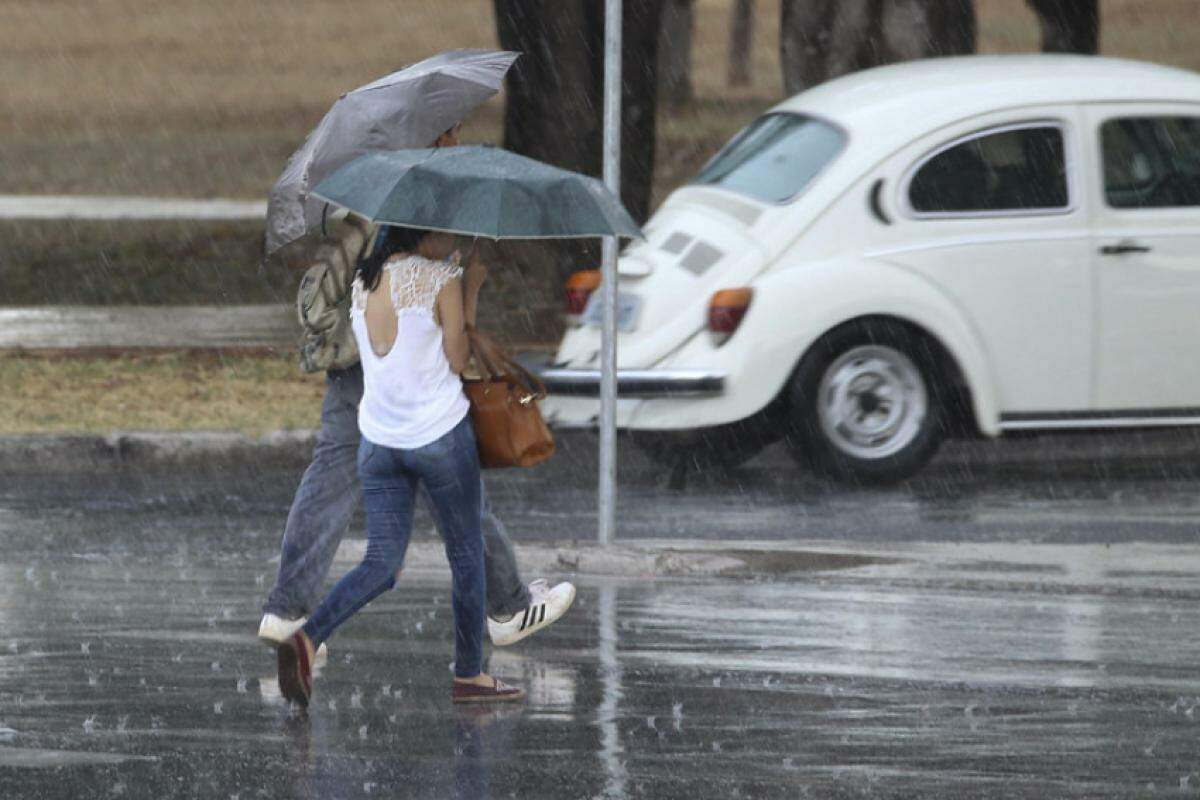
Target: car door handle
column 1121, row 248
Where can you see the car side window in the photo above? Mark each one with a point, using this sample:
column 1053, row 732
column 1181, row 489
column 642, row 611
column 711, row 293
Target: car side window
column 1014, row 169
column 1151, row 162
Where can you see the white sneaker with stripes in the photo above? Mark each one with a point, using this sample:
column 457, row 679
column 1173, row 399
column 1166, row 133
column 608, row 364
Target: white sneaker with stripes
column 546, row 604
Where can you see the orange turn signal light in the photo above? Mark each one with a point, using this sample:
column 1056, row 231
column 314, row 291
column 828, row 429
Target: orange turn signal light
column 727, row 309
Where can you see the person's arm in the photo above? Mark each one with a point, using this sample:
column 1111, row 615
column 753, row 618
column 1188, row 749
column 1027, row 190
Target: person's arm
column 452, row 314
column 473, row 278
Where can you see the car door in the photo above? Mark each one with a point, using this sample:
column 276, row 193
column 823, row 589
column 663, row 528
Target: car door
column 992, row 217
column 1146, row 238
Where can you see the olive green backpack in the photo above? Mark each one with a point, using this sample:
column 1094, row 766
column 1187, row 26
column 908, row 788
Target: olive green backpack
column 323, row 302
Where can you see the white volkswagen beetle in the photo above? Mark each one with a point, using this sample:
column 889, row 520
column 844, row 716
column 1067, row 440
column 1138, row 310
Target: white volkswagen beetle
column 967, row 246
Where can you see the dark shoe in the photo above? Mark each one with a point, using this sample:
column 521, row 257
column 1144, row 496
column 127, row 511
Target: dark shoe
column 498, row 692
column 295, row 668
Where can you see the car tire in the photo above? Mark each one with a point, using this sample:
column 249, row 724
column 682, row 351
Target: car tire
column 723, row 446
column 866, row 403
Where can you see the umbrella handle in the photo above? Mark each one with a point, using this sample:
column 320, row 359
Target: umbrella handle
column 324, row 214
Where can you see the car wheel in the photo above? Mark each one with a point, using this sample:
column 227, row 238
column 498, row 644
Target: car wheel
column 864, row 403
column 723, row 446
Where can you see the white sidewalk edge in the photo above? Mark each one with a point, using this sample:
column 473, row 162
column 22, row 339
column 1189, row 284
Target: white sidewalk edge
column 17, row 206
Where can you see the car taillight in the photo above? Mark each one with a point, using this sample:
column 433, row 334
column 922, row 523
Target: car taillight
column 579, row 288
column 726, row 310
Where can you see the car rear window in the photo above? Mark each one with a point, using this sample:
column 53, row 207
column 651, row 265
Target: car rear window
column 775, row 157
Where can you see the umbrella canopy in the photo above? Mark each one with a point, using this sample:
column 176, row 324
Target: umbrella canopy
column 480, row 191
column 408, row 108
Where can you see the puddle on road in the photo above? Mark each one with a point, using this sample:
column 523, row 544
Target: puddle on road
column 838, row 683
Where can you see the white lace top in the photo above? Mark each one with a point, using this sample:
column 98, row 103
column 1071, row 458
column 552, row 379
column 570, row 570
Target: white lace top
column 411, row 397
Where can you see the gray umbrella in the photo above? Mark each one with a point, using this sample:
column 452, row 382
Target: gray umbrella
column 409, row 108
column 482, row 191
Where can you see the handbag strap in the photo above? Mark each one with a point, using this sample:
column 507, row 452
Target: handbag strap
column 496, row 364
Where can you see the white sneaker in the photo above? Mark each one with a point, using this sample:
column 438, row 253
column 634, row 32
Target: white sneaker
column 274, row 630
column 545, row 606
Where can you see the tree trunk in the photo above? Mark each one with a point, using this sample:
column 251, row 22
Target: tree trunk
column 741, row 37
column 555, row 101
column 1069, row 26
column 553, row 88
column 675, row 52
column 822, row 39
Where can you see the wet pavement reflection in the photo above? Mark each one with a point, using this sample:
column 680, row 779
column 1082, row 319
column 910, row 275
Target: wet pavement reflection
column 144, row 680
column 129, row 668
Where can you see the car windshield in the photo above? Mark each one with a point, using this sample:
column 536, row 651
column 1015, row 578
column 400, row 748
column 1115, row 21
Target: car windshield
column 774, row 158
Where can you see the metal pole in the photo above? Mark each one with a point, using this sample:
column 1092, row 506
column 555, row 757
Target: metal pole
column 608, row 286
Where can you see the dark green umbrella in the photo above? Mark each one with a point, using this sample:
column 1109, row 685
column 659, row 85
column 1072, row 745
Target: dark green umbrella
column 478, row 191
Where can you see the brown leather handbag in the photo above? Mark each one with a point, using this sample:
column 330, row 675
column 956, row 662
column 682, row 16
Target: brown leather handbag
column 509, row 428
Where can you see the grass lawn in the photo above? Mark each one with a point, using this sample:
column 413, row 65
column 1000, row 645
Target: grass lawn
column 252, row 394
column 194, row 99
column 207, row 99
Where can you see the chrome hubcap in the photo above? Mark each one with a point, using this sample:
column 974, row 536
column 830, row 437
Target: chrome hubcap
column 872, row 402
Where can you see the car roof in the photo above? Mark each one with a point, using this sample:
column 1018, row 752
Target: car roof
column 908, row 99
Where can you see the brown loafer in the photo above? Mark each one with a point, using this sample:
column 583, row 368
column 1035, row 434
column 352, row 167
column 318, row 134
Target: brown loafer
column 295, row 668
column 498, row 692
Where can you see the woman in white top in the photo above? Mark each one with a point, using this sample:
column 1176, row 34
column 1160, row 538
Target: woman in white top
column 412, row 304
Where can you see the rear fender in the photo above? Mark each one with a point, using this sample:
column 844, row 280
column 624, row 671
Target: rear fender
column 795, row 306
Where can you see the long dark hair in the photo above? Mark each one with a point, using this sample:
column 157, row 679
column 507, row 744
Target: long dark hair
column 390, row 240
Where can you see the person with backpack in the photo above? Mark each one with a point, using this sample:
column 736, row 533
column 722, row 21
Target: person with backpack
column 329, row 491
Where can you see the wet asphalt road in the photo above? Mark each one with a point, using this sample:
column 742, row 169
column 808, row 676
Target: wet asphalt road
column 128, row 668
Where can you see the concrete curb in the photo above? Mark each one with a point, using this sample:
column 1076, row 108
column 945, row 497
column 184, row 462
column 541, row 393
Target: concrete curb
column 1129, row 569
column 134, row 447
column 92, row 451
column 645, row 559
column 193, row 448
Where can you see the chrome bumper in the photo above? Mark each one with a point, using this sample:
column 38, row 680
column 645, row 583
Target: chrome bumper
column 635, row 382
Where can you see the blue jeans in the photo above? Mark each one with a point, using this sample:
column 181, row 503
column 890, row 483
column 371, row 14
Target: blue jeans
column 325, row 503
column 449, row 470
